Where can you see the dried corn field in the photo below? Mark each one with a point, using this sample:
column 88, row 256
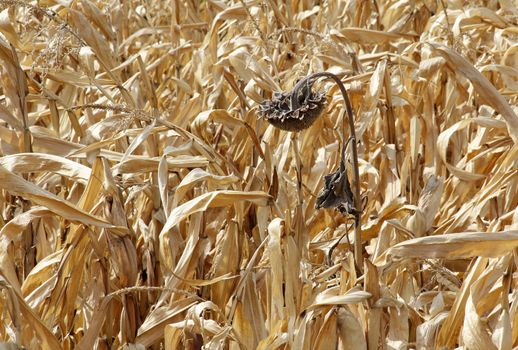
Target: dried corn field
column 146, row 204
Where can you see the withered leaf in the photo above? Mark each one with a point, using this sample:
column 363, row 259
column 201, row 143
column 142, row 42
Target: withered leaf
column 337, row 192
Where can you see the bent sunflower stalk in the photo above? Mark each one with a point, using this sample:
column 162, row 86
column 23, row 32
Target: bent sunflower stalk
column 297, row 110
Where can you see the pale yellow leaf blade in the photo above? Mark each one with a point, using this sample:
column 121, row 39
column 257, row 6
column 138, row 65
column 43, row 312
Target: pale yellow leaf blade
column 17, row 185
column 458, row 245
column 211, row 200
column 483, row 87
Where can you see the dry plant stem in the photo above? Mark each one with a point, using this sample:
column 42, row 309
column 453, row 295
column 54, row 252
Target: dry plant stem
column 391, row 120
column 299, row 166
column 354, row 149
column 22, row 94
column 451, row 39
column 346, row 233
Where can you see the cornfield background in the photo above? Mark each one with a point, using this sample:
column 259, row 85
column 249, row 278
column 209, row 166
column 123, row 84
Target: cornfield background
column 146, row 205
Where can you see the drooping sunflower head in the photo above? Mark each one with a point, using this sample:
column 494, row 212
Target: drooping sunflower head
column 295, row 110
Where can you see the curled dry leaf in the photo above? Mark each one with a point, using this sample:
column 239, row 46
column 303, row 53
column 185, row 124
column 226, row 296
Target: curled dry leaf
column 483, row 87
column 330, row 297
column 26, row 189
column 38, row 162
column 211, row 200
column 337, row 192
column 458, row 245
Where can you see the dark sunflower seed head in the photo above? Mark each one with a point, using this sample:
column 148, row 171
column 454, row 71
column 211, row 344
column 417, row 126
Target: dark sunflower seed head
column 295, row 110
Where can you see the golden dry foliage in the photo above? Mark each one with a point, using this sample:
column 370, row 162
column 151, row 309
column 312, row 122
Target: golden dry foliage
column 145, row 205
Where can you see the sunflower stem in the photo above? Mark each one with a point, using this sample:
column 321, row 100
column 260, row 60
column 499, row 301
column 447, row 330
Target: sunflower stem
column 358, row 255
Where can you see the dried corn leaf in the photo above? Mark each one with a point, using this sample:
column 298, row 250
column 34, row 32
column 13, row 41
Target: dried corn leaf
column 483, row 87
column 37, row 162
column 458, row 245
column 353, row 296
column 212, row 200
column 44, row 335
column 26, row 189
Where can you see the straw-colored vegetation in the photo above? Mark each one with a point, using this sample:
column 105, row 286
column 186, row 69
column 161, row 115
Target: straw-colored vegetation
column 146, row 205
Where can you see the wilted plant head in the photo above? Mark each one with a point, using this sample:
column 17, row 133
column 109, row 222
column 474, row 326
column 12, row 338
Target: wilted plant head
column 337, row 191
column 295, row 110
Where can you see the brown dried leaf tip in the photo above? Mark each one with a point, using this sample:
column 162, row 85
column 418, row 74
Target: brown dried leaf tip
column 295, row 110
column 337, row 192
